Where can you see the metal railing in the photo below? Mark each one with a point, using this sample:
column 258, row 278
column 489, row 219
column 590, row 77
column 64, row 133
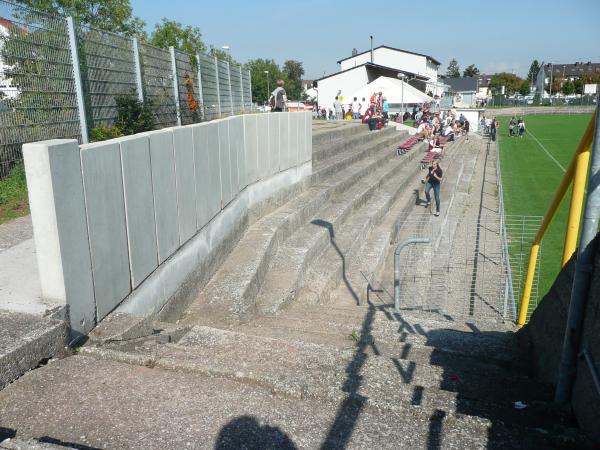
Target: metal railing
column 59, row 79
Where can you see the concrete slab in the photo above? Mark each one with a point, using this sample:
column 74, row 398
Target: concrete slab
column 15, row 231
column 186, row 182
column 105, row 206
column 274, row 144
column 164, row 190
column 251, row 146
column 225, row 163
column 25, row 340
column 236, row 148
column 58, row 211
column 284, row 142
column 202, row 156
column 139, row 207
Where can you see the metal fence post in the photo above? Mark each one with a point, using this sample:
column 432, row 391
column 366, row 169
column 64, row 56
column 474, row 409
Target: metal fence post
column 138, row 69
column 175, row 87
column 242, row 89
column 200, row 93
column 78, row 81
column 230, row 90
column 218, row 87
column 250, row 83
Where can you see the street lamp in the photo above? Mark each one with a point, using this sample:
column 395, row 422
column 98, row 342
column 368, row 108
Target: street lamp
column 402, row 78
column 268, row 88
column 227, row 49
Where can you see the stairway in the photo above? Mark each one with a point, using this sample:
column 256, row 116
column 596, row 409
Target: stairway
column 290, row 345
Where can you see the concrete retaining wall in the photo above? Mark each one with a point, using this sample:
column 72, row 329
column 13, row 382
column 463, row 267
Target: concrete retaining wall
column 123, row 223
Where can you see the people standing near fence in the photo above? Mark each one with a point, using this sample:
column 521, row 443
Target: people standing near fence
column 511, row 126
column 278, row 98
column 433, row 181
column 521, row 125
column 356, row 108
column 493, row 128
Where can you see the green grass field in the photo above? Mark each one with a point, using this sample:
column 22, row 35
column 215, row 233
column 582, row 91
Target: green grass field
column 532, row 168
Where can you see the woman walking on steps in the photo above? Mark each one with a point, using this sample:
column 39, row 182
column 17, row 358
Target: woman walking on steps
column 433, row 180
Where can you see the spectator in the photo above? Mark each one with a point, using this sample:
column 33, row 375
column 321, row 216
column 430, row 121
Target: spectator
column 433, row 181
column 278, row 98
column 363, row 107
column 337, row 106
column 521, row 125
column 511, row 127
column 356, row 109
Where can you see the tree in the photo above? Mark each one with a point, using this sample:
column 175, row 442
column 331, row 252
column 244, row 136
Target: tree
column 524, row 88
column 471, row 71
column 170, row 33
column 568, row 87
column 453, row 70
column 293, row 71
column 260, row 86
column 110, row 15
column 533, row 71
column 221, row 54
column 510, row 81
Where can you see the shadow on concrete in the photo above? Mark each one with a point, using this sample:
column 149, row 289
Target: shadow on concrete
column 73, row 445
column 329, row 227
column 7, row 433
column 246, row 432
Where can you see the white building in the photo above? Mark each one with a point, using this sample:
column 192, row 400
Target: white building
column 356, row 71
column 7, row 90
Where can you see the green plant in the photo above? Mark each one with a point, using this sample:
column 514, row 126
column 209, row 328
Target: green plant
column 103, row 133
column 133, row 115
column 14, row 185
column 355, row 336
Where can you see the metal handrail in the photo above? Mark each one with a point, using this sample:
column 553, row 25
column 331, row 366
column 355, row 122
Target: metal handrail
column 399, row 248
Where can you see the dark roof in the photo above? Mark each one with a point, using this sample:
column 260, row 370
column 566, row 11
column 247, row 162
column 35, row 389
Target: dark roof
column 396, row 49
column 484, row 79
column 370, row 65
column 462, row 84
column 572, row 70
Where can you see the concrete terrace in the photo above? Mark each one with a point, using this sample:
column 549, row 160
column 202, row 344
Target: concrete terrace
column 293, row 342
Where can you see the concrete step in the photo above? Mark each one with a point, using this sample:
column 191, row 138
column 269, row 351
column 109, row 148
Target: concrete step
column 343, row 220
column 26, row 340
column 330, row 149
column 230, row 293
column 152, row 408
column 299, row 370
column 323, row 135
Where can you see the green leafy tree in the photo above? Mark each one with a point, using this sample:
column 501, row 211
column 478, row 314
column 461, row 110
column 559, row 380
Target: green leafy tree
column 453, row 70
column 293, row 71
column 524, row 88
column 568, row 87
column 170, row 33
column 510, row 81
column 110, row 15
column 260, row 86
column 533, row 70
column 222, row 55
column 471, row 71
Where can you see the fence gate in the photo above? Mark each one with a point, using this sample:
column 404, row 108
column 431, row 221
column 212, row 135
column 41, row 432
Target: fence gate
column 470, row 269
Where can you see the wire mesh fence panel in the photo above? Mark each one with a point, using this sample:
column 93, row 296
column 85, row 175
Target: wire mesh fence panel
column 157, row 81
column 224, row 87
column 37, row 86
column 236, row 87
column 247, row 89
column 210, row 90
column 187, row 83
column 108, row 71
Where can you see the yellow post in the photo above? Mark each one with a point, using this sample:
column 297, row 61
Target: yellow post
column 584, row 145
column 576, row 206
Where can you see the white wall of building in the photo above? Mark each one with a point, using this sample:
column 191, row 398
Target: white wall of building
column 346, row 82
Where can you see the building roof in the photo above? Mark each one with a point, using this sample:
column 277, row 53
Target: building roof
column 484, row 80
column 378, row 67
column 572, row 70
column 462, row 84
column 431, row 58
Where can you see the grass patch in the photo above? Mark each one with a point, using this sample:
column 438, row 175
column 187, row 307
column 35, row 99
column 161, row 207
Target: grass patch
column 13, row 194
column 530, row 178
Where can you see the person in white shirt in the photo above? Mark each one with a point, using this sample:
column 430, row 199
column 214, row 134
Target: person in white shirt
column 356, row 109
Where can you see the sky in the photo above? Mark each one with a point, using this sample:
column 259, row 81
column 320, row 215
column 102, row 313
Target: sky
column 494, row 35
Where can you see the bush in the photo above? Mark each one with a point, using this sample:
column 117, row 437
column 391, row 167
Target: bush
column 14, row 185
column 133, row 116
column 103, row 133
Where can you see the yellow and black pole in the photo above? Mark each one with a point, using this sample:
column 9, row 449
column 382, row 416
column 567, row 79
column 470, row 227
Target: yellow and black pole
column 576, row 171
